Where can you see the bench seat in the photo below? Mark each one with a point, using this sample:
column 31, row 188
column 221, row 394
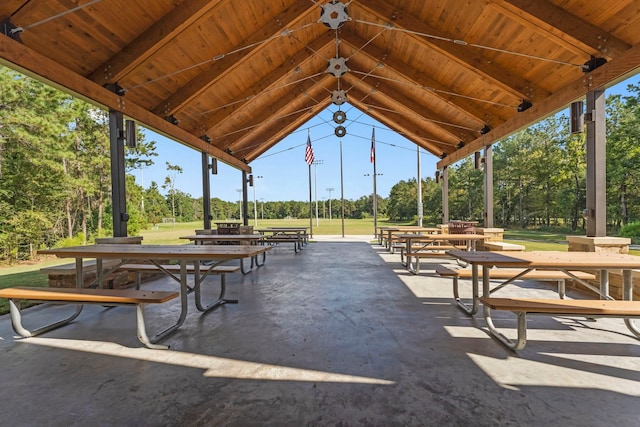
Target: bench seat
column 175, row 268
column 508, row 274
column 297, row 241
column 590, row 308
column 108, row 297
column 220, row 270
column 426, row 251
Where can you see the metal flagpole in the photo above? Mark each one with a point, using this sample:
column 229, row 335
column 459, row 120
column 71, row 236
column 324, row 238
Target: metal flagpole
column 310, row 205
column 309, row 157
column 341, row 188
column 375, row 192
column 420, row 210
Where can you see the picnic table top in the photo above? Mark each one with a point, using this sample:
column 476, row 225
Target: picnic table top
column 549, row 259
column 158, row 251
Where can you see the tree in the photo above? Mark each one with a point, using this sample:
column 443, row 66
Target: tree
column 155, row 204
column 170, row 185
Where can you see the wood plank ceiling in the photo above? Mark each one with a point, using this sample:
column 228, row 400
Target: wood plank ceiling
column 234, row 78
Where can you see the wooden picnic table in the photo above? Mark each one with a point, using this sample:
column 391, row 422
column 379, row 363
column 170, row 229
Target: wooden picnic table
column 239, row 239
column 156, row 255
column 415, row 229
column 426, row 245
column 551, row 260
column 275, row 235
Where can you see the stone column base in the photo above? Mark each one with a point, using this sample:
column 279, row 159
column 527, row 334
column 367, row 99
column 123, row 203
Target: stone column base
column 495, row 235
column 617, row 245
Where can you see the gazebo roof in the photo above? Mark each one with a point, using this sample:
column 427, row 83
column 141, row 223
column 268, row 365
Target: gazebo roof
column 233, row 78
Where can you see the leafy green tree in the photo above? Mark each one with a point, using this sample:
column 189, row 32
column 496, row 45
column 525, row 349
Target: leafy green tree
column 155, row 206
column 170, row 185
column 623, row 157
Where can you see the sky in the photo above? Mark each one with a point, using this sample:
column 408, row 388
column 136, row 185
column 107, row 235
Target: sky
column 281, row 173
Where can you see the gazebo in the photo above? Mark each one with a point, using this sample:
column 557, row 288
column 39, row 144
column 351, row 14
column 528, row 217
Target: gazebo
column 231, row 80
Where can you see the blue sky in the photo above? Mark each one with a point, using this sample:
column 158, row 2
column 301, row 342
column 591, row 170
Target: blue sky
column 285, row 175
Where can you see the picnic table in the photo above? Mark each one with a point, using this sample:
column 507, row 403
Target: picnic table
column 560, row 261
column 238, row 239
column 153, row 254
column 274, row 235
column 428, row 245
column 415, row 229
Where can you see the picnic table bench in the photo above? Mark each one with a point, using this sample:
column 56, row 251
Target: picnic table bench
column 172, row 269
column 295, row 235
column 109, row 297
column 419, row 246
column 566, row 262
column 590, row 308
column 510, row 275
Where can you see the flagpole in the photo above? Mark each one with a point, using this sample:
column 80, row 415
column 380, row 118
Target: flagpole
column 375, row 192
column 309, row 158
column 310, row 206
column 341, row 188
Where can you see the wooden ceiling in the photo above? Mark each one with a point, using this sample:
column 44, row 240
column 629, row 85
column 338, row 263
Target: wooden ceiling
column 233, row 78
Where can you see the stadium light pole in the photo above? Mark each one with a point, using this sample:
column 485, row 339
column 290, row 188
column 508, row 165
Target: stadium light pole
column 330, row 190
column 255, row 205
column 315, row 184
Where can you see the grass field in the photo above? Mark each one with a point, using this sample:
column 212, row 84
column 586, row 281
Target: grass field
column 28, row 274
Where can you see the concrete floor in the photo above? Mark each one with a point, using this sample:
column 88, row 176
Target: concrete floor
column 337, row 335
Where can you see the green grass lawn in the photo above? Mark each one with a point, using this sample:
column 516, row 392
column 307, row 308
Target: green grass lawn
column 28, row 274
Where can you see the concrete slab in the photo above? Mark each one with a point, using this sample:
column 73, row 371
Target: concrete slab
column 339, row 334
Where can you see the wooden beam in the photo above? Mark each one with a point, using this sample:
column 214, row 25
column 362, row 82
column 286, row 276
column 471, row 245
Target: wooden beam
column 399, row 125
column 252, row 153
column 401, row 71
column 151, row 40
column 604, row 76
column 21, row 58
column 565, row 28
column 491, row 73
column 271, row 82
column 291, row 17
column 386, row 99
column 275, row 118
column 414, row 108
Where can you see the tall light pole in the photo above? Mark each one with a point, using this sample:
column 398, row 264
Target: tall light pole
column 262, row 208
column 315, row 184
column 330, row 190
column 374, row 200
column 255, row 205
column 239, row 202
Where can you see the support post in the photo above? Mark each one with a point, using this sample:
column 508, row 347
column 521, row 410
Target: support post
column 245, row 200
column 488, row 186
column 118, row 187
column 595, row 212
column 206, row 192
column 419, row 190
column 445, row 195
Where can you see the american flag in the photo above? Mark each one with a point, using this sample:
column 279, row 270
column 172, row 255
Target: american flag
column 308, row 152
column 373, row 145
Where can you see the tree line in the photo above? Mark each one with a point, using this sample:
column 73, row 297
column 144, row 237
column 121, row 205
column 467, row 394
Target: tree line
column 55, row 182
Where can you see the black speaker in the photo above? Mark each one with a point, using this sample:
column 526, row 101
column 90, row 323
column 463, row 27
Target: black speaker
column 577, row 116
column 130, row 134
